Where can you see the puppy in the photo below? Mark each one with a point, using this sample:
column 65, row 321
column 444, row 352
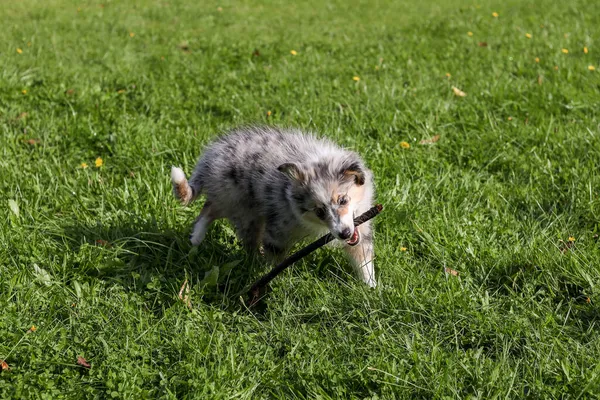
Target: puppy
column 280, row 186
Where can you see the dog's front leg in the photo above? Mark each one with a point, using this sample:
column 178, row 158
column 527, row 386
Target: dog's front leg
column 361, row 256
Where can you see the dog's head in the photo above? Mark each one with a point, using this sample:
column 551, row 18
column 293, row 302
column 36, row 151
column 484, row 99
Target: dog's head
column 326, row 193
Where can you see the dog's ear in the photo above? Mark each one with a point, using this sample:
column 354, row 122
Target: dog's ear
column 292, row 171
column 354, row 171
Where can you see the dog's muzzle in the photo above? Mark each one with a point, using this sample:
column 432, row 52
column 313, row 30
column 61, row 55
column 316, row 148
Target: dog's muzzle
column 355, row 238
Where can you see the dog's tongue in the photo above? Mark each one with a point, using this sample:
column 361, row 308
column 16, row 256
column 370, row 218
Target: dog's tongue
column 354, row 239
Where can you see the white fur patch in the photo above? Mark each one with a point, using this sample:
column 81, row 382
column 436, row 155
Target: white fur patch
column 199, row 231
column 177, row 175
column 369, row 274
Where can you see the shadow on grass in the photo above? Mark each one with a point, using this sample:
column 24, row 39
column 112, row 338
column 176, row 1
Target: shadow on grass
column 546, row 285
column 154, row 262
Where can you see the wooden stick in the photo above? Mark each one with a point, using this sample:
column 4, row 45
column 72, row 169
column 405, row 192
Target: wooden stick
column 256, row 288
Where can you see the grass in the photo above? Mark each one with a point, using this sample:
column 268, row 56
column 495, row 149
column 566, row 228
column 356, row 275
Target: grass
column 94, row 257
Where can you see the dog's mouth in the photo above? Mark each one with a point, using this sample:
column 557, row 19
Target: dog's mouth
column 353, row 241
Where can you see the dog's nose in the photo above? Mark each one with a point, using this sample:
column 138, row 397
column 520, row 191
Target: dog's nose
column 346, row 233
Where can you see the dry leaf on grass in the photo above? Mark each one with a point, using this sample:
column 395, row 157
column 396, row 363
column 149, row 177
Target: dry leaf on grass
column 450, row 271
column 458, row 92
column 482, row 44
column 431, row 140
column 4, row 366
column 102, row 242
column 185, row 298
column 566, row 246
column 83, row 362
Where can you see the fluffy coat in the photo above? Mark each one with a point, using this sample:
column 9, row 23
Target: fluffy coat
column 280, row 186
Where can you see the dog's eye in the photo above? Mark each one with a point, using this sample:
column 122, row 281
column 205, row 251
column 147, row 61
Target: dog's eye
column 320, row 212
column 343, row 200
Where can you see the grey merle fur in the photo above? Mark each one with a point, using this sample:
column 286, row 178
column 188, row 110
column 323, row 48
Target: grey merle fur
column 279, row 186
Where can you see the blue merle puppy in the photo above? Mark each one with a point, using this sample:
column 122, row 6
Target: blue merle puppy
column 280, row 186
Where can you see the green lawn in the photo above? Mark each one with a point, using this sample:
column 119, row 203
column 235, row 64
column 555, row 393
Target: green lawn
column 508, row 197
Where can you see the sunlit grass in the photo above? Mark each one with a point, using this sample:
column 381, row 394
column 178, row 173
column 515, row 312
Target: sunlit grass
column 482, row 132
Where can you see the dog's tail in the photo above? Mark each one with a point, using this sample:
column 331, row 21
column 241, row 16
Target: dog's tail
column 181, row 188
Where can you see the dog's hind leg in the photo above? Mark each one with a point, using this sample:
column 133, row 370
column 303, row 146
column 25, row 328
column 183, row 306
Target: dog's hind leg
column 361, row 256
column 275, row 245
column 250, row 232
column 206, row 217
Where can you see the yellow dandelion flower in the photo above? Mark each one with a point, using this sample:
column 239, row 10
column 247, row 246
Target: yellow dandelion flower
column 585, row 50
column 565, row 51
column 571, row 239
column 33, row 328
column 510, row 118
column 591, row 68
column 495, row 14
column 448, row 75
column 528, row 35
column 356, row 78
column 269, row 113
column 84, row 165
column 293, row 52
column 24, row 91
column 556, row 67
column 19, row 51
column 537, row 59
column 470, row 33
column 99, row 162
column 405, row 145
column 403, row 248
column 131, row 34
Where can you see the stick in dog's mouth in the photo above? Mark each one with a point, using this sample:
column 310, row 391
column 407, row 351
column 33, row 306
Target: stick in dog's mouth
column 353, row 241
column 259, row 286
